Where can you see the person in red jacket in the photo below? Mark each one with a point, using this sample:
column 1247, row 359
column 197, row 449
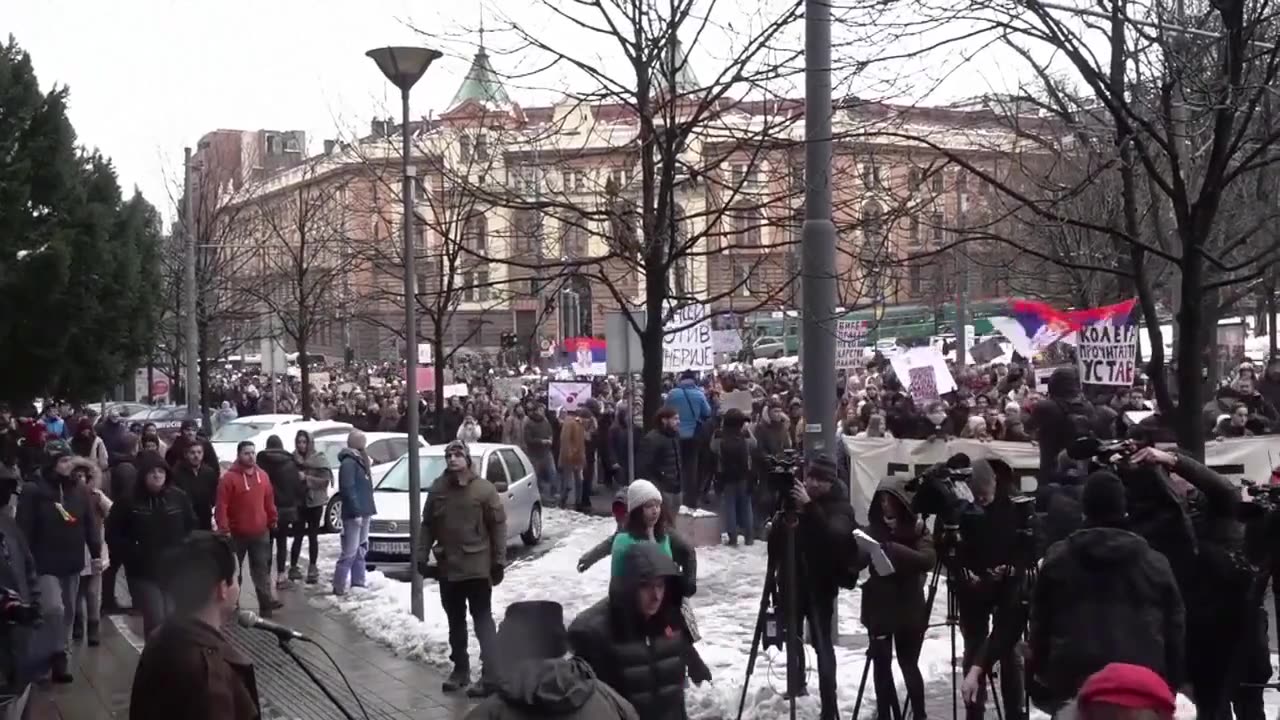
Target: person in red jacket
column 246, row 511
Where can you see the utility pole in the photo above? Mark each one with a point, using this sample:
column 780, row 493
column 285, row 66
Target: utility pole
column 189, row 292
column 818, row 238
column 962, row 282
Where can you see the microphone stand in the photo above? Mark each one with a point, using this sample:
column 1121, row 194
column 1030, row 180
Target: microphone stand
column 288, row 650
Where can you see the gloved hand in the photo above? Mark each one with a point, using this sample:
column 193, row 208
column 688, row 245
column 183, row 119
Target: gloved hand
column 496, row 573
column 97, row 566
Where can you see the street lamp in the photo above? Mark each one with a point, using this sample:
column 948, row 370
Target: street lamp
column 404, row 66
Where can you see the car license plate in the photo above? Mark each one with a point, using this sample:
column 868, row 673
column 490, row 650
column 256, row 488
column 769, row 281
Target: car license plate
column 390, row 548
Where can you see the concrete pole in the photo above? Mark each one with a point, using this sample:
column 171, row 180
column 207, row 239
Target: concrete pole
column 189, row 293
column 411, row 366
column 818, row 239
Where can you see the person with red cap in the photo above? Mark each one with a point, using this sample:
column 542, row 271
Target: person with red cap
column 1122, row 691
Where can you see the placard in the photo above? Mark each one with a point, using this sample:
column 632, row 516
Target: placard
column 687, row 340
column 567, row 395
column 508, row 388
column 1108, row 354
column 424, row 353
column 849, row 336
column 923, row 385
column 923, row 358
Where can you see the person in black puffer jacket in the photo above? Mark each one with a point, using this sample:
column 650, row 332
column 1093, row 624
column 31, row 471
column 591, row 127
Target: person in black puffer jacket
column 633, row 639
column 142, row 528
column 286, row 482
column 193, row 476
column 658, row 459
column 1060, row 418
column 56, row 517
column 1103, row 596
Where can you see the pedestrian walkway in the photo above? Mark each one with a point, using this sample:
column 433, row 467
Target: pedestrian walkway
column 389, row 687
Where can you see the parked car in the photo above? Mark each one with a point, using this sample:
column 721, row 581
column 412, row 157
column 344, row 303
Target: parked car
column 384, row 450
column 506, row 466
column 257, row 428
column 167, row 419
column 769, row 347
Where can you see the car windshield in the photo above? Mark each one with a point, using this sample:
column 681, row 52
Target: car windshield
column 330, row 451
column 235, row 432
column 397, row 478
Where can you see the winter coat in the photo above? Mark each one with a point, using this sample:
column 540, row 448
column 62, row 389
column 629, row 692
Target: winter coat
column 772, row 438
column 560, row 689
column 286, row 481
column 92, row 448
column 689, row 400
column 513, row 431
column 537, row 442
column 466, row 525
column 573, row 444
column 672, row 545
column 189, row 670
column 642, row 658
column 123, row 477
column 355, row 485
column 469, row 432
column 618, row 432
column 897, row 602
column 56, row 537
column 1058, row 422
column 174, row 455
column 317, row 477
column 735, row 463
column 658, row 460
column 201, row 486
column 1104, row 596
column 18, row 575
column 246, row 505
column 144, row 527
column 101, row 506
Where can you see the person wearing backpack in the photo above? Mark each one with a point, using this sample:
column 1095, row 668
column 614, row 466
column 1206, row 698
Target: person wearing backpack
column 694, row 410
column 733, row 450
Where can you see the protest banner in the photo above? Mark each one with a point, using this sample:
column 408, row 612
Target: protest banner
column 873, row 459
column 737, row 400
column 588, row 355
column 567, row 395
column 687, row 340
column 424, row 353
column 319, row 379
column 456, row 390
column 507, row 389
column 923, row 370
column 849, row 336
column 1108, row 353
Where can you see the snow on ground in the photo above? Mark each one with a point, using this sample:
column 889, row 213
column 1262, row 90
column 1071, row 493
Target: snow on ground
column 728, row 600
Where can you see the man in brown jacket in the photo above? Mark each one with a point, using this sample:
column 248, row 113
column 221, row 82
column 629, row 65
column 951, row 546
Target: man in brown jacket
column 573, row 459
column 466, row 525
column 188, row 668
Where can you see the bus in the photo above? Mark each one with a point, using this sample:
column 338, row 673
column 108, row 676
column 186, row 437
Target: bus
column 914, row 324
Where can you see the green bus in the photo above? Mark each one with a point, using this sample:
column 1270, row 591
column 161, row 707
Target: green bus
column 910, row 323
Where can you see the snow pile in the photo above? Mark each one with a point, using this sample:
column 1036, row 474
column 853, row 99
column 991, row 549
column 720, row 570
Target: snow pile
column 727, row 603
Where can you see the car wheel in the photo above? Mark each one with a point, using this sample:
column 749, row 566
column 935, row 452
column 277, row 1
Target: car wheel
column 533, row 535
column 333, row 516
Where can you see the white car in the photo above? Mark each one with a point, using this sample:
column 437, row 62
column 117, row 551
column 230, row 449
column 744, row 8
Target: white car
column 384, row 450
column 257, row 428
column 506, row 466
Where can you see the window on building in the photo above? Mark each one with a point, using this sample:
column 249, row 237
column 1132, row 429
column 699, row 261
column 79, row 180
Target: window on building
column 482, row 148
column 914, row 229
column 681, row 277
column 936, row 181
column 915, row 179
column 528, row 230
column 580, row 181
column 273, row 144
column 870, row 174
column 939, row 227
column 566, row 180
column 420, row 188
column 962, row 180
column 573, row 238
column 746, row 224
column 464, row 148
column 741, row 270
column 615, row 176
column 475, row 286
column 628, row 174
column 873, row 224
column 915, row 280
column 475, row 235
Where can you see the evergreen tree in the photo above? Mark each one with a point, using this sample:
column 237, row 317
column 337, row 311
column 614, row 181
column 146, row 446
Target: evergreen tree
column 76, row 261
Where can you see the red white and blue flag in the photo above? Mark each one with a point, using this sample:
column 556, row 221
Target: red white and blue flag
column 586, row 355
column 1034, row 326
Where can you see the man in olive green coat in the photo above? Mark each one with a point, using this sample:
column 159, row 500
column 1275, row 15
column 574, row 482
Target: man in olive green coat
column 465, row 524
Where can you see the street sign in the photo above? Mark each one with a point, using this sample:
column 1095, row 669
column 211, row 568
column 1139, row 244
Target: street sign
column 159, row 388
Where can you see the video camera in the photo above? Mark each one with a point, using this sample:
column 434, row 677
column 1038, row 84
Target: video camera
column 934, row 489
column 781, row 471
column 1113, row 454
column 13, row 611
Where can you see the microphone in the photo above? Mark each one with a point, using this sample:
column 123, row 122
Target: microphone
column 250, row 619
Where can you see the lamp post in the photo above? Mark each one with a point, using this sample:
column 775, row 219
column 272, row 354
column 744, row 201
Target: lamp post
column 404, row 66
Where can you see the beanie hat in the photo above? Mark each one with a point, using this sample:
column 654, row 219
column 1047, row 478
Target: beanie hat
column 149, row 460
column 641, row 492
column 1103, row 499
column 532, row 630
column 56, row 450
column 458, row 446
column 822, row 467
column 1128, row 686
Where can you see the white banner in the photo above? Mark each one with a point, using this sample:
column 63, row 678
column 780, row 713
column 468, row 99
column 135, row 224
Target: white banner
column 424, row 353
column 873, row 459
column 849, row 336
column 923, row 371
column 567, row 395
column 1108, row 353
column 687, row 345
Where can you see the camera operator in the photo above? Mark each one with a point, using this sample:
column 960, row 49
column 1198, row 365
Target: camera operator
column 1222, row 632
column 1104, row 595
column 990, row 583
column 824, row 544
column 893, row 606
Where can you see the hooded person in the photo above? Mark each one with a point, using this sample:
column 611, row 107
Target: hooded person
column 317, row 479
column 634, row 639
column 537, row 680
column 894, row 610
column 289, row 493
column 86, row 444
column 1103, row 596
column 1060, row 418
column 142, row 528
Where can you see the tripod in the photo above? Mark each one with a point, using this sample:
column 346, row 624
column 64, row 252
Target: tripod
column 948, row 540
column 767, row 621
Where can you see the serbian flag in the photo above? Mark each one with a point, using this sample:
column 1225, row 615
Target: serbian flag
column 587, row 355
column 1035, row 326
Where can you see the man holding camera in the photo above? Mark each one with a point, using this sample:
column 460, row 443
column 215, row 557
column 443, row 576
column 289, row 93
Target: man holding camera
column 824, row 525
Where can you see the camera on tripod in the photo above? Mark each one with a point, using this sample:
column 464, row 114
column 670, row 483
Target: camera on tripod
column 13, row 611
column 1115, row 455
column 781, row 472
column 934, row 493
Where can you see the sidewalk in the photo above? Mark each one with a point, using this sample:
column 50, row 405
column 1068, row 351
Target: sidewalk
column 390, row 688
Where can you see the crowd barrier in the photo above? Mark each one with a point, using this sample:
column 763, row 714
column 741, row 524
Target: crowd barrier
column 873, row 459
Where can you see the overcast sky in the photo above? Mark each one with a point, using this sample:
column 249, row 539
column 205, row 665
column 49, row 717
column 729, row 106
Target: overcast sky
column 150, row 76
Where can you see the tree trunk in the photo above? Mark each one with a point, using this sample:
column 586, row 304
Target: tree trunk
column 437, row 368
column 304, row 396
column 1191, row 338
column 202, row 371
